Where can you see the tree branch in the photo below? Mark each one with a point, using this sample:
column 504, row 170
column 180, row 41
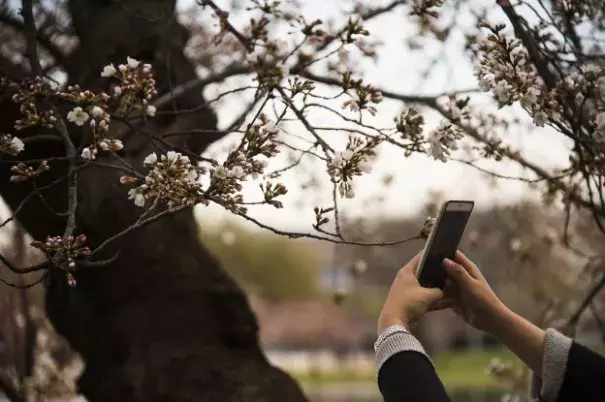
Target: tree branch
column 31, row 49
column 199, row 83
column 33, row 268
column 70, row 149
column 575, row 317
column 47, row 43
column 529, row 42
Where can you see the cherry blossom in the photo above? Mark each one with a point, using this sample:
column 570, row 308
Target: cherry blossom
column 78, row 116
column 109, row 71
column 10, row 145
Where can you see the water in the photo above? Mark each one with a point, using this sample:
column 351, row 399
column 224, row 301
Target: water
column 352, row 392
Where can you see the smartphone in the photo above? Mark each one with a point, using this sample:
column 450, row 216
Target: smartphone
column 443, row 242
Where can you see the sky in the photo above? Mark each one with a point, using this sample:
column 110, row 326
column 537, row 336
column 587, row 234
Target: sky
column 416, row 177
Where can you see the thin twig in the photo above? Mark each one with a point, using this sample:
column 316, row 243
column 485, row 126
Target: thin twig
column 26, row 270
column 136, row 226
column 297, row 235
column 24, row 286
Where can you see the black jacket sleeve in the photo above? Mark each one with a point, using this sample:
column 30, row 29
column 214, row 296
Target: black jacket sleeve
column 584, row 376
column 410, row 377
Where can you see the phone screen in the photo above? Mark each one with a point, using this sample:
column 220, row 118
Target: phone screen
column 444, row 245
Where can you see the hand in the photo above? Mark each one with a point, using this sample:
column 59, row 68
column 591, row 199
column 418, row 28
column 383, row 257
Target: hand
column 407, row 301
column 470, row 296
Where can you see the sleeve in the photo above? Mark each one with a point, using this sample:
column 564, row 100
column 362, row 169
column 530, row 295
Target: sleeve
column 406, row 373
column 570, row 372
column 546, row 386
column 585, row 376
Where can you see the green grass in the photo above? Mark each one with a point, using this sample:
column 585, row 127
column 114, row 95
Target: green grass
column 467, row 369
column 456, row 370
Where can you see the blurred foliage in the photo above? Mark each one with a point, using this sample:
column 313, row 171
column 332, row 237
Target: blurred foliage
column 272, row 267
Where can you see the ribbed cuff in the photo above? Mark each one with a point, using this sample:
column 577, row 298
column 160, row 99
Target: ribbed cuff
column 398, row 342
column 556, row 352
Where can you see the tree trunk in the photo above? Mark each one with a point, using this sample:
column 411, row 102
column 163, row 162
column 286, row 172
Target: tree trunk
column 163, row 322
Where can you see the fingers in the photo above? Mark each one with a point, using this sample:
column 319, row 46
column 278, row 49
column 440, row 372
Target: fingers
column 442, row 304
column 468, row 265
column 450, row 291
column 457, row 272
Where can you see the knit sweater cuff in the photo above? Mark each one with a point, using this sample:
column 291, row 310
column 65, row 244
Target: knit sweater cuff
column 556, row 351
column 396, row 343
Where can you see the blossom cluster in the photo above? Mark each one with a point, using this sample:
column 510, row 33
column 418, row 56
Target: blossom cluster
column 320, row 216
column 30, row 94
column 134, row 89
column 364, row 96
column 586, row 86
column 64, row 251
column 444, row 139
column 355, row 160
column 353, row 30
column 172, row 179
column 10, row 145
column 268, row 62
column 21, row 172
column 247, row 160
column 410, row 124
column 426, row 8
column 503, row 69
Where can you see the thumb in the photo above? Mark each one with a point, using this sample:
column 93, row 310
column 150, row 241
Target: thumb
column 433, row 294
column 457, row 273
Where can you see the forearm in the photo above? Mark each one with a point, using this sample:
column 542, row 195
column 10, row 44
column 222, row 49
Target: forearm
column 522, row 337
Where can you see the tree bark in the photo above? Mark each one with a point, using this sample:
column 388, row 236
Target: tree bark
column 163, row 322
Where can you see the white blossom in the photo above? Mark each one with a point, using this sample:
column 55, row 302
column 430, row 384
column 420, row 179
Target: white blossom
column 139, row 200
column 150, row 110
column 271, row 127
column 172, row 156
column 117, row 90
column 86, row 153
column 150, row 159
column 108, row 71
column 123, row 67
column 16, row 145
column 346, row 155
column 104, row 145
column 117, row 144
column 192, row 175
column 238, row 172
column 337, row 160
column 540, row 118
column 220, row 172
column 531, row 97
column 132, row 63
column 600, row 120
column 601, row 86
column 97, row 112
column 502, row 91
column 365, row 166
column 78, row 116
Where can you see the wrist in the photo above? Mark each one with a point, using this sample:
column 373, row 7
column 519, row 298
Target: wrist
column 385, row 322
column 501, row 319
